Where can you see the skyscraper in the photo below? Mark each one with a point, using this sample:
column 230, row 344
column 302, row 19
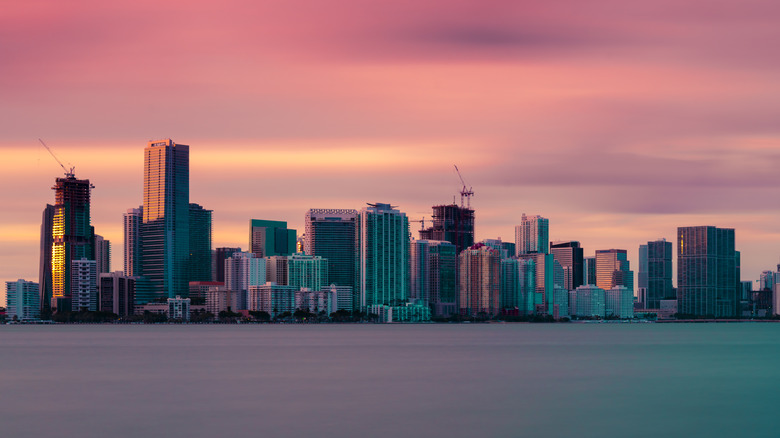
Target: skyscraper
column 532, row 235
column 102, row 254
column 44, row 268
column 655, row 272
column 480, row 273
column 384, row 256
column 84, row 286
column 132, row 249
column 271, row 238
column 200, row 244
column 706, row 272
column 73, row 238
column 569, row 255
column 613, row 269
column 218, row 263
column 451, row 223
column 333, row 235
column 165, row 228
column 541, row 299
column 433, row 275
column 589, row 270
column 242, row 270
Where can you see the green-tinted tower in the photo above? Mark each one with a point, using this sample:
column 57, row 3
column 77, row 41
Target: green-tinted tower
column 200, row 244
column 271, row 238
column 384, row 256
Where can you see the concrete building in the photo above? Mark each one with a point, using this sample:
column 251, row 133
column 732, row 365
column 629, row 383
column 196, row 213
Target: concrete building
column 218, row 262
column 613, row 269
column 272, row 298
column 655, row 272
column 132, row 220
column 479, row 270
column 532, row 235
column 333, row 235
column 22, row 300
column 505, row 249
column 165, row 235
column 243, row 270
column 344, row 296
column 384, row 256
column 434, row 276
column 406, row 313
column 200, row 289
column 117, row 293
column 102, row 254
column 544, row 281
column 179, row 308
column 707, row 272
column 570, row 255
column 619, row 302
column 73, row 237
column 220, row 299
column 271, row 238
column 451, row 223
column 590, row 301
column 44, row 267
column 324, row 301
column 517, row 285
column 306, row 271
column 199, row 262
column 83, row 285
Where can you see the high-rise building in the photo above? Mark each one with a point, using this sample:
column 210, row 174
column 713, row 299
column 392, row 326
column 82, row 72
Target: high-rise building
column 706, row 272
column 433, row 276
column 117, row 293
column 102, row 254
column 613, row 269
column 73, row 238
column 384, row 256
column 480, row 273
column 306, row 271
column 333, row 235
column 22, row 300
column 589, row 270
column 44, row 268
column 517, row 285
column 271, row 238
column 532, row 235
column 569, row 255
column 218, row 263
column 544, row 281
column 200, row 244
column 655, row 272
column 133, row 219
column 505, row 249
column 451, row 223
column 766, row 280
column 83, row 285
column 619, row 302
column 243, row 270
column 165, row 233
column 589, row 301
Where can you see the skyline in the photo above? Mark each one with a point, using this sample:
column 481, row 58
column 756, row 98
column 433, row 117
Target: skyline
column 617, row 122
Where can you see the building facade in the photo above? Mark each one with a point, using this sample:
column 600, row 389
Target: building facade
column 271, row 238
column 706, row 272
column 132, row 220
column 83, row 284
column 199, row 263
column 384, row 256
column 243, row 270
column 479, row 270
column 570, row 256
column 451, row 223
column 434, row 276
column 613, row 269
column 333, row 235
column 22, row 300
column 44, row 267
column 655, row 273
column 117, row 293
column 532, row 235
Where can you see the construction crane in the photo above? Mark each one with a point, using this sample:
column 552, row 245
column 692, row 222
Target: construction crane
column 69, row 173
column 421, row 221
column 464, row 192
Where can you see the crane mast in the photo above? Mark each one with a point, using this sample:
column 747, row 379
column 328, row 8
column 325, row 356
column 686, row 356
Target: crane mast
column 464, row 192
column 69, row 173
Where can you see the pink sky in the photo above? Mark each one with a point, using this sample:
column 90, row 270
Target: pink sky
column 618, row 121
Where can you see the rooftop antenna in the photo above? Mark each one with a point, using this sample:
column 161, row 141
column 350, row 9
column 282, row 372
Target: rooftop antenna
column 69, row 173
column 464, row 192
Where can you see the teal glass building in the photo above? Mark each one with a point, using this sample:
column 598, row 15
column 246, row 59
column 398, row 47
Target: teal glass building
column 271, row 238
column 384, row 256
column 333, row 235
column 200, row 244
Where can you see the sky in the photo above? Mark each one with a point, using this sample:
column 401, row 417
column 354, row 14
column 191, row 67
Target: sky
column 619, row 121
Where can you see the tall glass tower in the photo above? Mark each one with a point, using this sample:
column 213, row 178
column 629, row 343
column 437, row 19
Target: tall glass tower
column 532, row 235
column 200, row 244
column 333, row 235
column 165, row 227
column 384, row 256
column 707, row 273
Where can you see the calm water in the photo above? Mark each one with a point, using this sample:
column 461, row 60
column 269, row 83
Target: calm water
column 583, row 380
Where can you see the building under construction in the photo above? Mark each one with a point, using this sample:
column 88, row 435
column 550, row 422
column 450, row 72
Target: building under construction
column 452, row 223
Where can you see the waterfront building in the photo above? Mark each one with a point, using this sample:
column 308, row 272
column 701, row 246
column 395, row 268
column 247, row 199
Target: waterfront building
column 707, row 272
column 544, row 281
column 165, row 234
column 344, row 296
column 619, row 302
column 655, row 272
column 199, row 262
column 321, row 301
column 532, row 235
column 517, row 285
column 271, row 238
column 22, row 300
column 83, row 284
column 44, row 267
column 451, row 223
column 306, row 271
column 73, row 237
column 218, row 262
column 384, row 256
column 132, row 220
column 406, row 313
column 272, row 298
column 613, row 269
column 333, row 235
column 570, row 255
column 102, row 254
column 200, row 289
column 243, row 270
column 117, row 293
column 433, row 276
column 560, row 303
column 220, row 299
column 479, row 270
column 590, row 301
column 179, row 308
